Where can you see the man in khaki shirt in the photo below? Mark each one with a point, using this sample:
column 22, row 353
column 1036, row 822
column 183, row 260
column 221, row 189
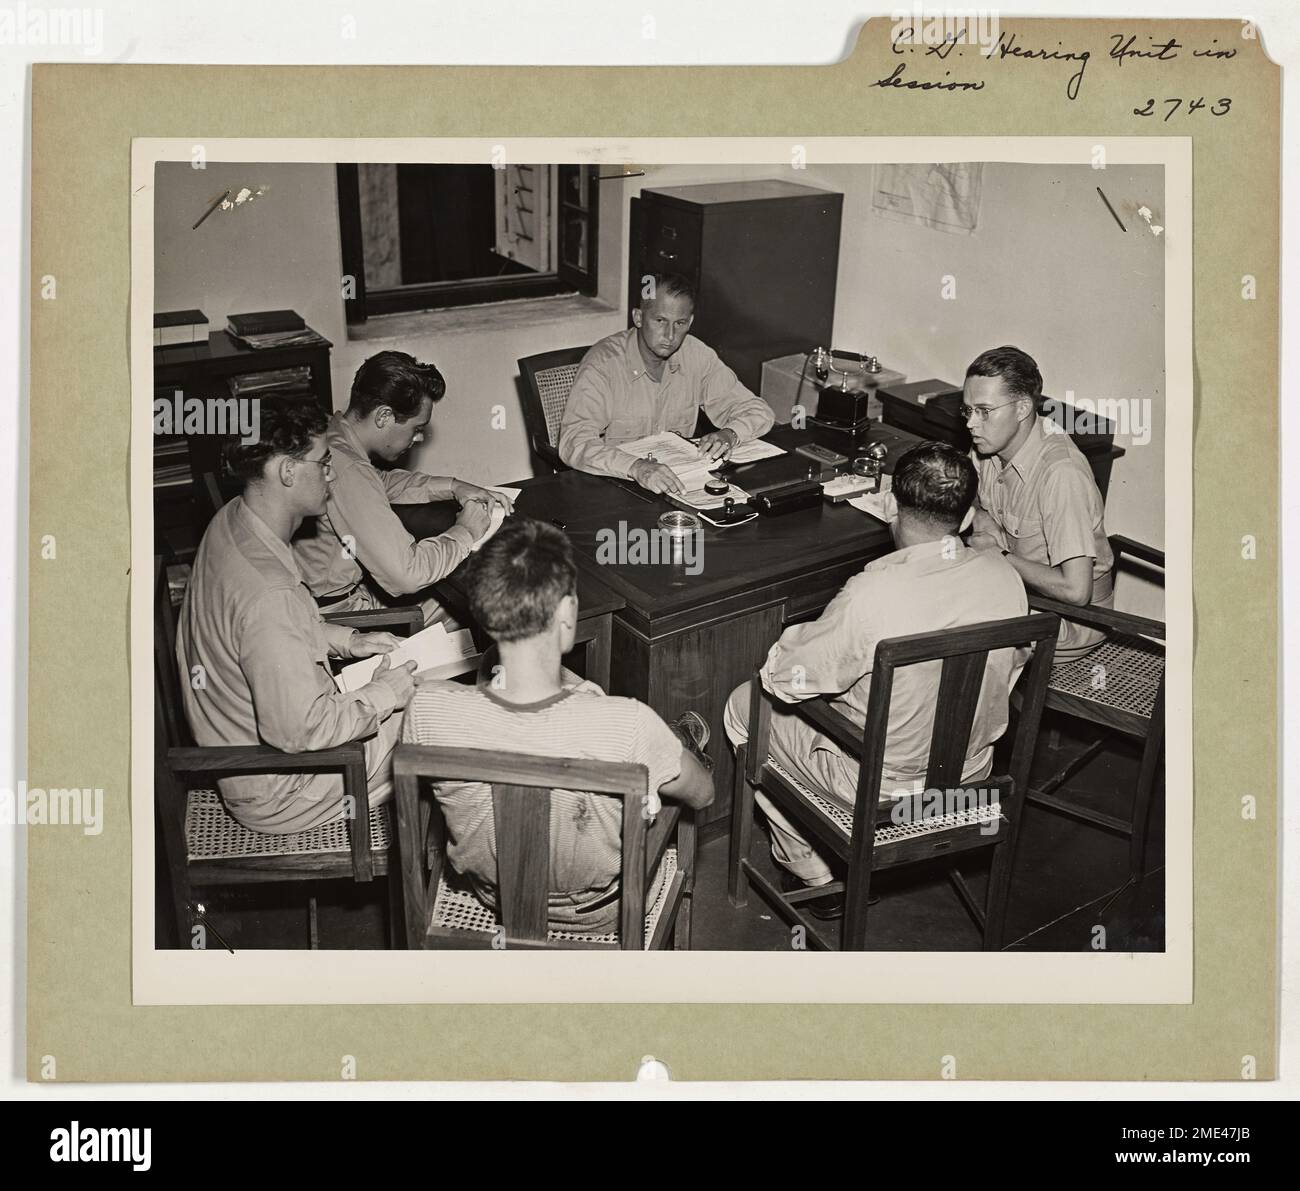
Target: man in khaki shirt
column 932, row 581
column 1038, row 503
column 359, row 554
column 253, row 650
column 650, row 378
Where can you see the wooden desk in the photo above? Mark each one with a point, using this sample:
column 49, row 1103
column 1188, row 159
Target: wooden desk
column 597, row 604
column 684, row 642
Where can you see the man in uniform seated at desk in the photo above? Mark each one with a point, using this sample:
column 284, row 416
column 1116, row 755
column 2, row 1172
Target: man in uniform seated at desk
column 250, row 630
column 650, row 378
column 931, row 581
column 360, row 555
column 523, row 591
column 1038, row 503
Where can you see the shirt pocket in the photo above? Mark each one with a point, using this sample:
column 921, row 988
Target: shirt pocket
column 626, row 429
column 1025, row 528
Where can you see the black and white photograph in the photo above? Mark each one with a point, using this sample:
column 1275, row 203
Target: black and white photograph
column 620, row 552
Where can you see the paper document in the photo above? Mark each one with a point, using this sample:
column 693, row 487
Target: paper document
column 498, row 514
column 881, row 505
column 436, row 653
column 695, row 469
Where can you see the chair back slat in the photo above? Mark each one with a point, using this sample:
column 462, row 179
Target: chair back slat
column 523, row 833
column 960, row 684
column 634, row 877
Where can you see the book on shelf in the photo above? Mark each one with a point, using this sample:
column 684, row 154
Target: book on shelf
column 282, row 381
column 172, row 327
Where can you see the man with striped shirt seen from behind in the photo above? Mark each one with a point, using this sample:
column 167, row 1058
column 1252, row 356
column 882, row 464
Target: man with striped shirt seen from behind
column 523, row 591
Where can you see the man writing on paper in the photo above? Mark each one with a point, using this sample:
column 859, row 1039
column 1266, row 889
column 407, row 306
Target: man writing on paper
column 1038, row 503
column 931, row 581
column 650, row 378
column 253, row 650
column 523, row 591
column 360, row 555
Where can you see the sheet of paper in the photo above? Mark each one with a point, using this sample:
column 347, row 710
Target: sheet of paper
column 435, row 652
column 756, row 448
column 880, row 505
column 693, row 468
column 498, row 515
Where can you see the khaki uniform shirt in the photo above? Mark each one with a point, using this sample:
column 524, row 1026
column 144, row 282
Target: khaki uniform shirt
column 360, row 530
column 253, row 627
column 930, row 586
column 614, row 400
column 1044, row 506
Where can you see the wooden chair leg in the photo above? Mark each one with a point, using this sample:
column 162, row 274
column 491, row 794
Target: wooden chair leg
column 396, row 904
column 742, row 825
column 1147, row 775
column 995, row 904
column 686, row 858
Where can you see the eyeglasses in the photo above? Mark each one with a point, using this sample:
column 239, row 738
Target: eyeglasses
column 327, row 462
column 983, row 411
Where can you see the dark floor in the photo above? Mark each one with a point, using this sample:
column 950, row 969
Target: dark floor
column 1068, row 879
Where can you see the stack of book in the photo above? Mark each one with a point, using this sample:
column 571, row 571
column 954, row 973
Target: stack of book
column 271, row 328
column 171, row 462
column 291, row 382
column 171, row 327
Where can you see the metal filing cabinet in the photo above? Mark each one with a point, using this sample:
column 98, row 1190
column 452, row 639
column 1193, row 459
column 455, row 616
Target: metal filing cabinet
column 762, row 255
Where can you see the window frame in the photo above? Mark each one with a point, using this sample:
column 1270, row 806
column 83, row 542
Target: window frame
column 441, row 295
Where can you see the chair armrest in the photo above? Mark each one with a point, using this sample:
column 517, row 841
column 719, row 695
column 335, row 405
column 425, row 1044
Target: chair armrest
column 548, row 452
column 261, row 758
column 405, row 622
column 349, row 759
column 1119, row 544
column 822, row 716
column 1100, row 618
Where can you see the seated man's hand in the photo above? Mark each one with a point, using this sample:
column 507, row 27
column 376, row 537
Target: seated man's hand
column 657, row 477
column 718, row 444
column 476, row 516
column 464, row 492
column 366, row 645
column 400, row 681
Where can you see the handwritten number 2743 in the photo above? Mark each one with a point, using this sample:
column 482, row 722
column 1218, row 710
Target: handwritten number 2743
column 1219, row 108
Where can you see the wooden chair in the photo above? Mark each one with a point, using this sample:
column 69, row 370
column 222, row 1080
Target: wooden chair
column 204, row 846
column 548, row 377
column 658, row 866
column 1120, row 687
column 875, row 837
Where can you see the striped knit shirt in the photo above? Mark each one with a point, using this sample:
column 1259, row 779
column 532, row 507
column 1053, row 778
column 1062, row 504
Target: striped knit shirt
column 580, row 722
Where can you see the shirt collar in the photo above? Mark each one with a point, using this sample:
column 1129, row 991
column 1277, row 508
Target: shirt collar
column 263, row 532
column 924, row 557
column 341, row 428
column 636, row 365
column 1030, row 450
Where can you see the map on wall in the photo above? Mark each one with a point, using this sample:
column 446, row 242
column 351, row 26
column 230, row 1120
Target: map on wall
column 945, row 197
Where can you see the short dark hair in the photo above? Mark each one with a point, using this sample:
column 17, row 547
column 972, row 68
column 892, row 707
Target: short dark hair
column 936, row 481
column 519, row 578
column 1016, row 369
column 666, row 285
column 285, row 426
column 398, row 381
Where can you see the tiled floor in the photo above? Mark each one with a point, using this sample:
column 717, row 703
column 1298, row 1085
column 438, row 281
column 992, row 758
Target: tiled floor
column 1068, row 879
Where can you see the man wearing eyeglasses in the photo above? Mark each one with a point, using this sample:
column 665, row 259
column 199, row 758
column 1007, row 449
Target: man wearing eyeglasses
column 359, row 555
column 1038, row 502
column 253, row 650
